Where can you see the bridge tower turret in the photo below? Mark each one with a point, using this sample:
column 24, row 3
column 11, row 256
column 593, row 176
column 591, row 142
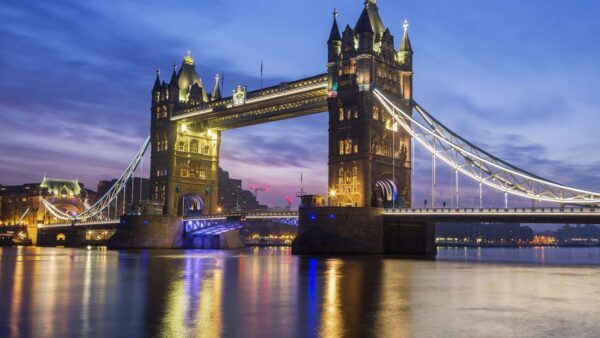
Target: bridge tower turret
column 334, row 44
column 369, row 155
column 405, row 56
column 156, row 89
column 174, row 87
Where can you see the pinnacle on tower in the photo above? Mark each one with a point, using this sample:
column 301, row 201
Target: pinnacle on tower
column 156, row 87
column 335, row 31
column 405, row 46
column 370, row 20
column 174, row 81
column 363, row 25
column 216, row 95
column 188, row 58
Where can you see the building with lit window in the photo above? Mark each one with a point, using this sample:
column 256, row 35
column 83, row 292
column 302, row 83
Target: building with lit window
column 483, row 234
column 23, row 204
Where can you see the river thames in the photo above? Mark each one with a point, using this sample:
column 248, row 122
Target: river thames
column 267, row 292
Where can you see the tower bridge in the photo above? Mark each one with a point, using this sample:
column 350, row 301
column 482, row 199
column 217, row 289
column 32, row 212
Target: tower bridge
column 374, row 124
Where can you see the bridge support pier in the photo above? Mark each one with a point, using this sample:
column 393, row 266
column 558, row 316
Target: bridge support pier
column 334, row 230
column 32, row 234
column 68, row 237
column 148, row 232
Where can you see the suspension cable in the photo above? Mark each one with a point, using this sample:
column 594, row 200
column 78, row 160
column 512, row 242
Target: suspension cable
column 520, row 182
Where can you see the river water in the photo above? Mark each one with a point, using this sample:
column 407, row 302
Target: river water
column 57, row 292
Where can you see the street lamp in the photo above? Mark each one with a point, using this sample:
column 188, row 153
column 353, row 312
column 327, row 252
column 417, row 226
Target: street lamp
column 332, row 194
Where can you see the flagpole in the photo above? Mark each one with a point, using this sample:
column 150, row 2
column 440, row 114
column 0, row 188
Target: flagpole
column 261, row 74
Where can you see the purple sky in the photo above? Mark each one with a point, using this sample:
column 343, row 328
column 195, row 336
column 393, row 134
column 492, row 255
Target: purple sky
column 517, row 78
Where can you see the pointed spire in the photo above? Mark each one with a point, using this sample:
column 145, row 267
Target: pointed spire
column 405, row 46
column 216, row 95
column 156, row 87
column 174, row 83
column 335, row 30
column 363, row 25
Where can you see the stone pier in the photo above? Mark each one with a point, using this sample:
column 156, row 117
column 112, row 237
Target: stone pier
column 337, row 230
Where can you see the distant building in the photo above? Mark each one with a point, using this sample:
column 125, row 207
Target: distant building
column 587, row 235
column 23, row 203
column 504, row 234
column 232, row 197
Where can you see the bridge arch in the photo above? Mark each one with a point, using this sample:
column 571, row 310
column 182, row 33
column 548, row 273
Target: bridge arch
column 386, row 192
column 190, row 205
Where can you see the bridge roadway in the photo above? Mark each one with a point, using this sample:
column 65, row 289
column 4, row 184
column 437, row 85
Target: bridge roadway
column 575, row 215
column 568, row 215
column 92, row 225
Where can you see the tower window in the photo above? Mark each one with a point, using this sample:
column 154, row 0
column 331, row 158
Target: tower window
column 194, row 146
column 348, row 146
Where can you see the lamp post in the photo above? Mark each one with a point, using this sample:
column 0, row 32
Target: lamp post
column 332, row 194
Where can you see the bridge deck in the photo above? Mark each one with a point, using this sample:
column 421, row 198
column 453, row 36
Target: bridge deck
column 106, row 224
column 510, row 215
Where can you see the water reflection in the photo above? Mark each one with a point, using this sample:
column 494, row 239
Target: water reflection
column 269, row 293
column 332, row 319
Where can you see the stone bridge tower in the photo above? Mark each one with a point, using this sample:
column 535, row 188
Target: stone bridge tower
column 185, row 156
column 369, row 155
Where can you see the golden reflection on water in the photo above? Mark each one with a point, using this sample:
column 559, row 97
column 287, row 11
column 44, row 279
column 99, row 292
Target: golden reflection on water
column 85, row 299
column 395, row 294
column 173, row 320
column 17, row 295
column 332, row 318
column 210, row 314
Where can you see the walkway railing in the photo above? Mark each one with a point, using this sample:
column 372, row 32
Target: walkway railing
column 249, row 215
column 82, row 223
column 494, row 211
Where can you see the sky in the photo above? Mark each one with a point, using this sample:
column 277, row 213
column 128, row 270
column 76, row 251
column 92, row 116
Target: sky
column 518, row 78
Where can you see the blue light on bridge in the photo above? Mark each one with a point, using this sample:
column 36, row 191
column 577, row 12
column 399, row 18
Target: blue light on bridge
column 331, row 216
column 313, row 217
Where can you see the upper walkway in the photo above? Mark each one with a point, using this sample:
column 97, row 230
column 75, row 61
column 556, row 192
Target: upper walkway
column 286, row 100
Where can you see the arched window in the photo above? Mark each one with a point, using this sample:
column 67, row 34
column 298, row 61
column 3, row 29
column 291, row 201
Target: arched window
column 194, row 146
